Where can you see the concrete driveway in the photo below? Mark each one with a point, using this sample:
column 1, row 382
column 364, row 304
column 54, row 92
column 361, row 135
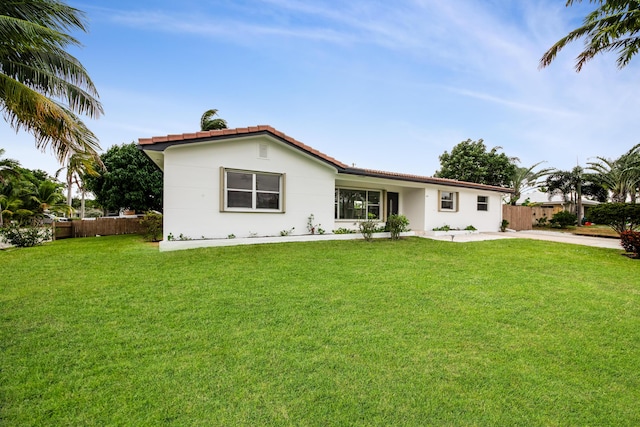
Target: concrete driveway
column 551, row 236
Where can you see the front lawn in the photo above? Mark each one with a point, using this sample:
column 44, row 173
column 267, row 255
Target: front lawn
column 109, row 331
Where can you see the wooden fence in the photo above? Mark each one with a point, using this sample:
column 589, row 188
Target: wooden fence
column 546, row 212
column 525, row 217
column 519, row 217
column 99, row 227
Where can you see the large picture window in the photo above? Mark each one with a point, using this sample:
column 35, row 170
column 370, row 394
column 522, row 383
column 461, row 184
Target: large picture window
column 252, row 191
column 357, row 204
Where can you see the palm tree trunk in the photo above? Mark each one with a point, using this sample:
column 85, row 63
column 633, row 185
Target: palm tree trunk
column 69, row 189
column 579, row 202
column 82, row 204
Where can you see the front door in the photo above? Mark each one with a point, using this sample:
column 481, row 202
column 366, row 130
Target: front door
column 392, row 203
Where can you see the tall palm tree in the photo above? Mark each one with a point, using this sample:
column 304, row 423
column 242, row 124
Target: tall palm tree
column 526, row 179
column 620, row 176
column 78, row 165
column 208, row 122
column 574, row 184
column 42, row 87
column 613, row 26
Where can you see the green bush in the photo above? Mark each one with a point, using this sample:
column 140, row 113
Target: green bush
column 630, row 241
column 152, row 223
column 25, row 236
column 619, row 216
column 368, row 227
column 563, row 219
column 343, row 230
column 396, row 224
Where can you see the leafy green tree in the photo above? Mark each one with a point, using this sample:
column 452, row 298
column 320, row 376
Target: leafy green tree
column 619, row 216
column 613, row 27
column 621, row 176
column 131, row 180
column 8, row 167
column 42, row 86
column 526, row 179
column 470, row 161
column 208, row 122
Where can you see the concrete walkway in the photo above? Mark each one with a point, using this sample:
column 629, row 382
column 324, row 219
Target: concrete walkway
column 551, row 236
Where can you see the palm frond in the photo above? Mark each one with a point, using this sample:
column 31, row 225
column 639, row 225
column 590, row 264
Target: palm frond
column 612, row 27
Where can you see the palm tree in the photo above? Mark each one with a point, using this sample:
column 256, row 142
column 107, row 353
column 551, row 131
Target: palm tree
column 42, row 87
column 78, row 165
column 207, row 122
column 525, row 179
column 7, row 170
column 613, row 26
column 47, row 197
column 620, row 176
column 574, row 184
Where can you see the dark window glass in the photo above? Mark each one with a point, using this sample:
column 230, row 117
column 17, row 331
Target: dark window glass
column 483, row 203
column 240, row 181
column 267, row 182
column 267, row 201
column 239, row 199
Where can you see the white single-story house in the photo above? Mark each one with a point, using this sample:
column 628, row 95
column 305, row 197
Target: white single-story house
column 257, row 181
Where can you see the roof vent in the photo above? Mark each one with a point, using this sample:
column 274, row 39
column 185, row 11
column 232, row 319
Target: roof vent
column 263, row 151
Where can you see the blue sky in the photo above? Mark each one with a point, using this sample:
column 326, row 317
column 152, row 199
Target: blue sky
column 383, row 85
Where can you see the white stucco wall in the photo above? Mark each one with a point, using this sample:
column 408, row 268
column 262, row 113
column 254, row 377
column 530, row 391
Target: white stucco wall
column 467, row 212
column 192, row 189
column 419, row 203
column 412, row 206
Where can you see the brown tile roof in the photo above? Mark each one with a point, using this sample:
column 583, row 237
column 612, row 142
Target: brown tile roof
column 214, row 134
column 162, row 142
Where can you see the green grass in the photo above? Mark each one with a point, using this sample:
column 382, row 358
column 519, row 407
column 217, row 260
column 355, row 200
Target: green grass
column 108, row 331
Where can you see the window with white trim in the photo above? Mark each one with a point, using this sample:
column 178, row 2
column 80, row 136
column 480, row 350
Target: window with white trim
column 357, row 204
column 483, row 203
column 252, row 191
column 448, row 201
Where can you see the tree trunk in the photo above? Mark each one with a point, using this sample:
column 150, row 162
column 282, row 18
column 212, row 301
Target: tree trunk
column 69, row 189
column 579, row 202
column 82, row 203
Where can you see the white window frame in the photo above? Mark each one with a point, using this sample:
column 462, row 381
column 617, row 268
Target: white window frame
column 453, row 199
column 254, row 191
column 484, row 203
column 367, row 204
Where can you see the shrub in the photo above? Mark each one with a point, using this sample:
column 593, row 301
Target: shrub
column 619, row 216
column 470, row 228
column 396, row 224
column 503, row 225
column 343, row 230
column 368, row 227
column 630, row 241
column 152, row 223
column 541, row 222
column 563, row 219
column 25, row 236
